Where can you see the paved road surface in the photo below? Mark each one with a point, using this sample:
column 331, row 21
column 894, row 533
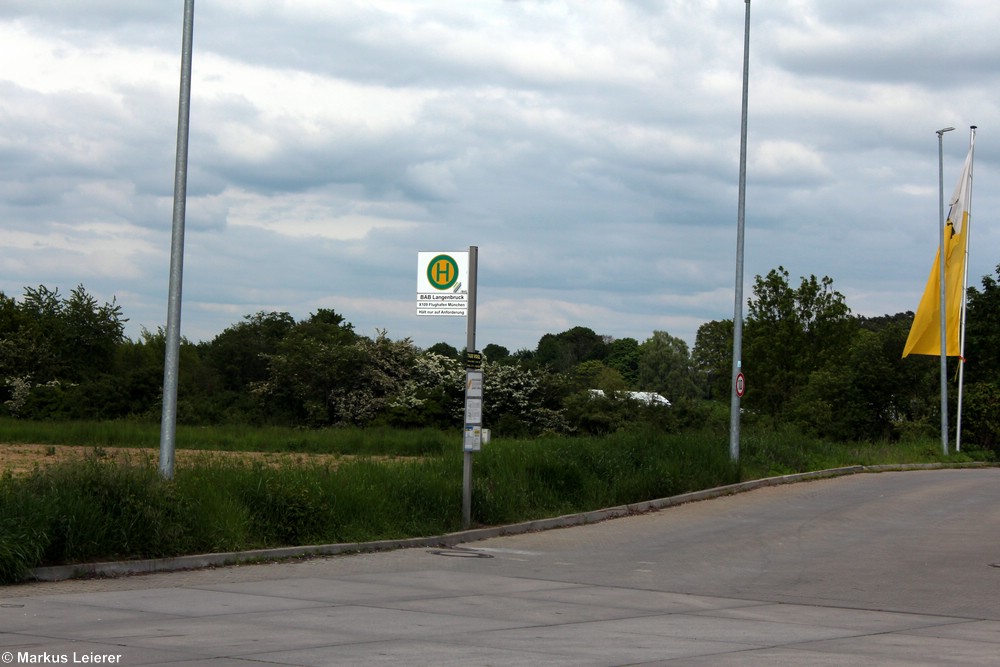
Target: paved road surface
column 874, row 569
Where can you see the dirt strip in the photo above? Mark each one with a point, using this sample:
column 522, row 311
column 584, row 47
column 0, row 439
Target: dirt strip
column 20, row 459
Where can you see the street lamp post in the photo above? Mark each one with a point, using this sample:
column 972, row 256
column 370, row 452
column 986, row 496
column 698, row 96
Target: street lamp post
column 171, row 361
column 942, row 311
column 734, row 411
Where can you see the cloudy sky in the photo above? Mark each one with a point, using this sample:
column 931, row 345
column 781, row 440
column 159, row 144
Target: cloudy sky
column 589, row 149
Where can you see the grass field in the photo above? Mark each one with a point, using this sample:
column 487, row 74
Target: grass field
column 238, row 488
column 230, row 437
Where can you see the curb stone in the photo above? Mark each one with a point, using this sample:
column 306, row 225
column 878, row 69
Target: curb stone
column 199, row 561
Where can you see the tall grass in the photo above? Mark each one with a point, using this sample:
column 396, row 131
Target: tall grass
column 520, row 480
column 115, row 507
column 101, row 508
column 782, row 451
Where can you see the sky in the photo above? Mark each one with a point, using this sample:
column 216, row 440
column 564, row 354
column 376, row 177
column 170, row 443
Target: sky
column 590, row 151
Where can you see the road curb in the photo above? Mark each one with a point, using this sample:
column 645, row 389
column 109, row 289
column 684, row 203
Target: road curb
column 199, row 561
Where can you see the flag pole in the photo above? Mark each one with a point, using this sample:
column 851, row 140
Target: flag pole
column 941, row 303
column 967, row 232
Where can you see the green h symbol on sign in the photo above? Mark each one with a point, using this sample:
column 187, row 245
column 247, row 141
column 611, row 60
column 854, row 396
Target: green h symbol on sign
column 442, row 272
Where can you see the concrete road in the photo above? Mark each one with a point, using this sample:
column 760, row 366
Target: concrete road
column 894, row 568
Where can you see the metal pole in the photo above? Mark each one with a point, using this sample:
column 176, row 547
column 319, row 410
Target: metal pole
column 734, row 411
column 966, row 232
column 171, row 361
column 942, row 311
column 470, row 346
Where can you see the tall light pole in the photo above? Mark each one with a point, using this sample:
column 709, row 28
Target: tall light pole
column 942, row 311
column 171, row 361
column 737, row 392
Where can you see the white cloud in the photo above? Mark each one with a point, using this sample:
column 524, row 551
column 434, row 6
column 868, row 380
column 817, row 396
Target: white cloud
column 306, row 215
column 589, row 149
column 786, row 162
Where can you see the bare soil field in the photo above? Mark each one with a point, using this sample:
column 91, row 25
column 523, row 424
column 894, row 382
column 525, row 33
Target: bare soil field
column 21, row 459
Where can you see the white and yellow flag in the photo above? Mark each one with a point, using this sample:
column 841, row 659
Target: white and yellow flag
column 925, row 334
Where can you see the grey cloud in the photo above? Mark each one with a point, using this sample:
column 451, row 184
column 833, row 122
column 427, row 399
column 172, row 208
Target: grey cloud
column 589, row 150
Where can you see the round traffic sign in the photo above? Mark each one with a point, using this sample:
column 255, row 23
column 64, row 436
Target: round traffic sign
column 741, row 385
column 442, row 272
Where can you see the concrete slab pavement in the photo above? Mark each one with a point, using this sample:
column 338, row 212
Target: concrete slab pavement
column 887, row 569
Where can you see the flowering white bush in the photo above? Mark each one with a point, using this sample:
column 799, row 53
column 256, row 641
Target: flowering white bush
column 20, row 390
column 434, row 378
column 385, row 368
column 513, row 400
column 360, row 381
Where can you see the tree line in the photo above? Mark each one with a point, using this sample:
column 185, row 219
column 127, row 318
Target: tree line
column 809, row 362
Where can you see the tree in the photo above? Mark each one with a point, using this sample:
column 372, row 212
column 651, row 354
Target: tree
column 17, row 357
column 432, row 394
column 981, row 425
column 982, row 331
column 239, row 354
column 497, row 353
column 515, row 401
column 713, row 358
column 32, row 336
column 562, row 351
column 55, row 338
column 91, row 333
column 137, row 380
column 325, row 374
column 444, row 349
column 595, row 374
column 665, row 367
column 311, row 362
column 790, row 333
column 383, row 367
column 982, row 354
column 854, row 400
column 623, row 356
column 53, row 350
column 138, row 375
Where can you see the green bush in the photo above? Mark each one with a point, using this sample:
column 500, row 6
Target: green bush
column 981, row 408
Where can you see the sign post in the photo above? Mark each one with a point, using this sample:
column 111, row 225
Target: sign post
column 446, row 287
column 476, row 404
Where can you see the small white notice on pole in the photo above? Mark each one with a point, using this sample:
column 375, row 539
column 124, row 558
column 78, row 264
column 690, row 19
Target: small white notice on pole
column 473, row 384
column 473, row 411
column 443, row 284
column 473, row 438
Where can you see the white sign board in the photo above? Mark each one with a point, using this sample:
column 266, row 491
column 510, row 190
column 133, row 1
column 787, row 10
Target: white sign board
column 443, row 283
column 473, row 440
column 473, row 384
column 473, row 411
